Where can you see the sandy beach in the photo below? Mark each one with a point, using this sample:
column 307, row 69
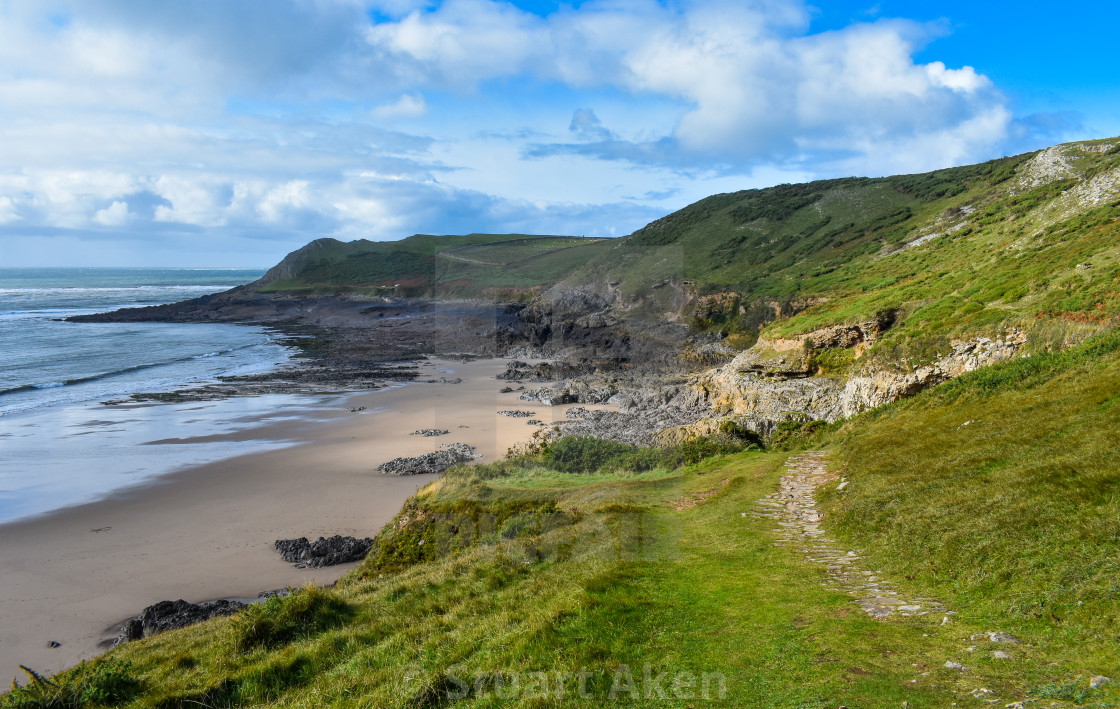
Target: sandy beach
column 73, row 575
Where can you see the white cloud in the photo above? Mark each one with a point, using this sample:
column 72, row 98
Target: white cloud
column 116, row 214
column 170, row 120
column 407, row 106
column 8, row 211
column 755, row 86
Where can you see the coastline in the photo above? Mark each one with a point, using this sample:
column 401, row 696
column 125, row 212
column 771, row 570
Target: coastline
column 206, row 532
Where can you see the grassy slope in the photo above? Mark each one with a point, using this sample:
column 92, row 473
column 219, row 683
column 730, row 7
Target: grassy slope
column 416, row 263
column 1008, row 255
column 1018, row 256
column 513, row 568
column 1014, row 518
column 701, row 590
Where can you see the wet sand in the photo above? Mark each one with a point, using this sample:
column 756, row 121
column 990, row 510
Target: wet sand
column 72, row 576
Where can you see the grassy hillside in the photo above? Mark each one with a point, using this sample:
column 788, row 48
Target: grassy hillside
column 1030, row 241
column 498, row 585
column 502, row 265
column 1000, row 493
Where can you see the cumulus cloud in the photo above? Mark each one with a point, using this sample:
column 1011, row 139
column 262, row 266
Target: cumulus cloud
column 8, row 211
column 116, row 214
column 267, row 120
column 755, row 87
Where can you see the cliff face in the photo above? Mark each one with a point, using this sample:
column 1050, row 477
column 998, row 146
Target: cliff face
column 774, row 382
column 879, row 387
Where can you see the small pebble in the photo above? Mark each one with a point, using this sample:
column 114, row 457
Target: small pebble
column 54, row 643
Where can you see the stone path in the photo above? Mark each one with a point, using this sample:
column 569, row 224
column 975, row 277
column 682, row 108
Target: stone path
column 794, row 507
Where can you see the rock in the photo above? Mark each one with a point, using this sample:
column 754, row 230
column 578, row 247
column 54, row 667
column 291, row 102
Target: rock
column 132, row 630
column 517, row 414
column 170, row 615
column 324, row 551
column 54, row 644
column 875, row 389
column 1000, row 655
column 1003, row 638
column 955, row 666
column 1098, row 681
column 429, row 432
column 505, row 390
column 434, row 462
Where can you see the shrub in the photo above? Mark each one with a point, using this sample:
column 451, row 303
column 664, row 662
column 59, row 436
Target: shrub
column 739, row 432
column 280, row 620
column 103, row 683
column 790, row 434
column 586, row 454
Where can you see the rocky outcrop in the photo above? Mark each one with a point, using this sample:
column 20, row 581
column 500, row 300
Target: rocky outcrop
column 772, row 381
column 324, row 551
column 571, row 392
column 1047, row 166
column 875, row 389
column 759, row 402
column 169, row 615
column 434, row 462
column 642, row 415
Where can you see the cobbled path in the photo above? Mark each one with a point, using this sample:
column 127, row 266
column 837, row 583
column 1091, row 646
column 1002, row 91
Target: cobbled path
column 793, row 506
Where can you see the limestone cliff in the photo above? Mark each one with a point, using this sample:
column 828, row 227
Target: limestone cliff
column 773, row 382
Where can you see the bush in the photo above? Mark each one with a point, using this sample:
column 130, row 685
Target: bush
column 790, row 434
column 586, row 454
column 281, row 620
column 739, row 432
column 103, row 683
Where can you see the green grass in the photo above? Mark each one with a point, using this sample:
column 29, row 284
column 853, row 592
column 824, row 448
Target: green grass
column 511, row 583
column 506, row 252
column 1000, row 494
column 503, row 266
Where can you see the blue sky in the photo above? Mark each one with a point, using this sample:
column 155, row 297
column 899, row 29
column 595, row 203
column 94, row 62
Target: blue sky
column 229, row 132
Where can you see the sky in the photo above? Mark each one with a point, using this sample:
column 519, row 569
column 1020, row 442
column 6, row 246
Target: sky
column 230, row 132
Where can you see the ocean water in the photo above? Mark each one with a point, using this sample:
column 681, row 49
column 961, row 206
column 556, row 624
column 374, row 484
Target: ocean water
column 60, row 447
column 47, row 362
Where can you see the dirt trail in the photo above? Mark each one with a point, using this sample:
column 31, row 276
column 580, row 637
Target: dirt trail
column 793, row 506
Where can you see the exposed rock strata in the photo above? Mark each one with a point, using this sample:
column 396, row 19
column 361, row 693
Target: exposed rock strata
column 876, row 389
column 771, row 382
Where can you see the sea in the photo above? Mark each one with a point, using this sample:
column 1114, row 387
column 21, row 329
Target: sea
column 59, row 445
